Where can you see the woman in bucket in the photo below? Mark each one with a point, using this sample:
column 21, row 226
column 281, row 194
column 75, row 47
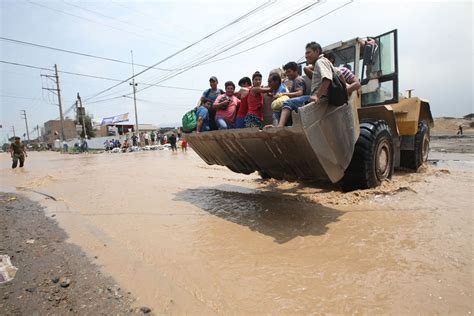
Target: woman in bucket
column 254, row 117
column 226, row 107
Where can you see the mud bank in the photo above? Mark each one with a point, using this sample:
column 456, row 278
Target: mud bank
column 185, row 237
column 53, row 277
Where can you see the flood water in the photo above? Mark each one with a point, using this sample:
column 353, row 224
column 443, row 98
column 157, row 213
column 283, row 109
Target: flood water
column 185, row 237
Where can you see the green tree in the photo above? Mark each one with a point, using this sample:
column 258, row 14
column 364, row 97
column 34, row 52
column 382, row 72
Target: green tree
column 88, row 122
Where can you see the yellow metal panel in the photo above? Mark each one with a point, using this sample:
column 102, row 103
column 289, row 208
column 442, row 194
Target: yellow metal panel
column 407, row 113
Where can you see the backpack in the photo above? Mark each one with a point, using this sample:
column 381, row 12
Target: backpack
column 189, row 121
column 337, row 92
column 208, row 92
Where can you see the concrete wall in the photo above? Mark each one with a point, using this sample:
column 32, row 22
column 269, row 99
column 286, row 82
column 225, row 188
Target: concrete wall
column 93, row 143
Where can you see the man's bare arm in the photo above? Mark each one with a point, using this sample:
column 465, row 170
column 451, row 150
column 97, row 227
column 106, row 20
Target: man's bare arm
column 199, row 124
column 322, row 90
column 297, row 93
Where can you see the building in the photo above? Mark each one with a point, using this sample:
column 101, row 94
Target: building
column 124, row 128
column 52, row 130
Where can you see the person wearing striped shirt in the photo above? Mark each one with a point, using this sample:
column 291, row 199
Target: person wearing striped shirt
column 352, row 83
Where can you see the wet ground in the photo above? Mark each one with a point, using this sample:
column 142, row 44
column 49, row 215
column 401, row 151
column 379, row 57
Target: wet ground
column 185, row 237
column 54, row 277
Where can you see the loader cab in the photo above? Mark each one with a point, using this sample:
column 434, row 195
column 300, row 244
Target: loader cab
column 374, row 61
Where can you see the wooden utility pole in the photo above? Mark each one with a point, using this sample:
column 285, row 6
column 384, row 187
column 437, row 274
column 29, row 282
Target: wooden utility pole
column 26, row 123
column 55, row 77
column 134, row 85
column 83, row 114
column 61, row 117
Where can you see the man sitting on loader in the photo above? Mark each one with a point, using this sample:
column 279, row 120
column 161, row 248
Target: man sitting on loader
column 321, row 80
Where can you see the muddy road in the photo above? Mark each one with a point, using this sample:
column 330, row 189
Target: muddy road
column 185, row 237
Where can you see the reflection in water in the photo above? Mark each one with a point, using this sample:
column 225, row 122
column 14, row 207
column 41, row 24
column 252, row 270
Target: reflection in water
column 277, row 216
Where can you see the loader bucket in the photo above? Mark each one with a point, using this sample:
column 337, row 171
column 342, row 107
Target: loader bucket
column 318, row 147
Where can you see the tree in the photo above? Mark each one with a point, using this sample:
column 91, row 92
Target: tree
column 89, row 129
column 88, row 122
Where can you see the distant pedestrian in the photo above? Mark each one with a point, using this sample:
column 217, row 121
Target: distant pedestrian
column 65, row 146
column 172, row 140
column 84, row 146
column 152, row 137
column 146, row 137
column 135, row 140
column 142, row 139
column 459, row 130
column 184, row 145
column 18, row 152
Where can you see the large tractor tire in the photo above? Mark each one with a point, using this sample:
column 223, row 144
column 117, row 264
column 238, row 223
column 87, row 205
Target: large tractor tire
column 372, row 162
column 413, row 159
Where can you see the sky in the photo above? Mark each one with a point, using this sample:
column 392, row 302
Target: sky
column 189, row 41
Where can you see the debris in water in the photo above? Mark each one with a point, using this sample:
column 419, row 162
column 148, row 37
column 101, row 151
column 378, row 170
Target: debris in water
column 7, row 269
column 145, row 310
column 65, row 282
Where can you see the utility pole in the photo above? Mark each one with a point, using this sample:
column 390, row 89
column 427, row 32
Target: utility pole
column 61, row 117
column 26, row 123
column 83, row 114
column 55, row 78
column 134, row 85
column 13, row 128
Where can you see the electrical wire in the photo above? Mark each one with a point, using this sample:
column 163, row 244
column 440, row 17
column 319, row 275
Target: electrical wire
column 78, row 53
column 240, row 18
column 240, row 41
column 91, row 76
column 281, row 35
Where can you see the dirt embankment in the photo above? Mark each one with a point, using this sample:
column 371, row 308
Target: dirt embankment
column 449, row 126
column 53, row 277
column 445, row 137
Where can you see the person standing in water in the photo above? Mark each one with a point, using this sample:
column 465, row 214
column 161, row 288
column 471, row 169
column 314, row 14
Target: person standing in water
column 18, row 152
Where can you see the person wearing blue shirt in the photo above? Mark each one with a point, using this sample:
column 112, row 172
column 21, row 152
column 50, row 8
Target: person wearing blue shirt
column 208, row 97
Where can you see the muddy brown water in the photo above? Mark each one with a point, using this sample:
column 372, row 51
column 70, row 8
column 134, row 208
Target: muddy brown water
column 185, row 237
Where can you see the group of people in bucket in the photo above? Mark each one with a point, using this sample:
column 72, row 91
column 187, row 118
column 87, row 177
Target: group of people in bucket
column 228, row 109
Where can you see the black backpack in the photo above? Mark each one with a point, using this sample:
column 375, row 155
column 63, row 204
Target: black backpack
column 337, row 91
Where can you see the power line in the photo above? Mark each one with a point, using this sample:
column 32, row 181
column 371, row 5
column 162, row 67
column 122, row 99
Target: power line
column 279, row 36
column 77, row 53
column 239, row 41
column 24, row 65
column 230, row 45
column 92, row 76
column 17, row 97
column 249, row 13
